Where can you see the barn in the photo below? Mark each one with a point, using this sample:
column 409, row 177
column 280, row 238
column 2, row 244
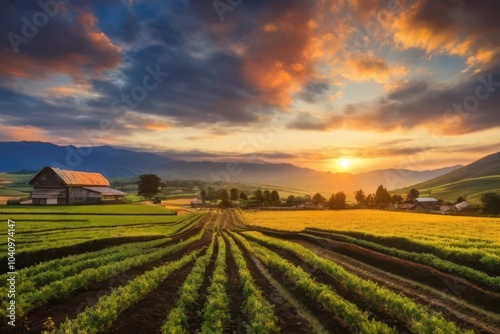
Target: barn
column 424, row 204
column 55, row 186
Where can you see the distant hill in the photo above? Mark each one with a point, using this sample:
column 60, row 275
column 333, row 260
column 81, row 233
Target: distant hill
column 470, row 181
column 126, row 163
column 104, row 159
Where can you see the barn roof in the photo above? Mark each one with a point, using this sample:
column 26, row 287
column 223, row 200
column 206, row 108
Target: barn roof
column 105, row 191
column 426, row 199
column 74, row 178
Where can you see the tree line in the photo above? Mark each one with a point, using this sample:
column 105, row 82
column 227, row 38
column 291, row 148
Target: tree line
column 149, row 185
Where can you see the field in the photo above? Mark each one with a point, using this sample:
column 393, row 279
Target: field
column 137, row 268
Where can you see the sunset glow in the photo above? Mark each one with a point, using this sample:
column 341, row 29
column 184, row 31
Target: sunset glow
column 302, row 82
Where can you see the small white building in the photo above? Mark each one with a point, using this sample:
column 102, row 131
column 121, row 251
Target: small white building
column 462, row 205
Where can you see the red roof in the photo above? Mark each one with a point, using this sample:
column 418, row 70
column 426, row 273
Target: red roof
column 73, row 178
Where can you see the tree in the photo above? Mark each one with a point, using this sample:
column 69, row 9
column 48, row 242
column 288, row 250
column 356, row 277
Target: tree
column 331, row 202
column 318, row 199
column 370, row 200
column 461, row 199
column 259, row 196
column 244, row 196
column 396, row 199
column 203, row 195
column 224, row 197
column 148, row 185
column 382, row 197
column 275, row 198
column 267, row 197
column 234, row 194
column 290, row 201
column 210, row 195
column 412, row 194
column 360, row 197
column 157, row 199
column 491, row 203
column 340, row 200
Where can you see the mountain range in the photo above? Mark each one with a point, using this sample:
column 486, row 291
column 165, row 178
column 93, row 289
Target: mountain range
column 120, row 163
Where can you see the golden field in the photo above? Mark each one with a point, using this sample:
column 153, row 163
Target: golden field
column 445, row 230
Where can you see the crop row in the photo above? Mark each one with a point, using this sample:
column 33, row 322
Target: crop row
column 417, row 318
column 455, row 252
column 38, row 241
column 100, row 317
column 216, row 309
column 427, row 259
column 75, row 263
column 64, row 287
column 357, row 320
column 177, row 320
column 28, row 281
column 258, row 310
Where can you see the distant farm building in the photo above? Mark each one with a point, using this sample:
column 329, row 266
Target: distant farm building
column 462, row 205
column 54, row 186
column 197, row 203
column 424, row 204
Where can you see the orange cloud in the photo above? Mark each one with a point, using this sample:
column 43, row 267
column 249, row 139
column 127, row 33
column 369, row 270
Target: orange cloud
column 89, row 51
column 79, row 89
column 369, row 67
column 18, row 133
column 468, row 29
column 276, row 62
column 158, row 127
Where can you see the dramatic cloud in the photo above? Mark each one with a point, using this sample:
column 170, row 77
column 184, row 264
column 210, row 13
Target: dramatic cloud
column 183, row 72
column 369, row 67
column 68, row 43
column 466, row 28
column 463, row 108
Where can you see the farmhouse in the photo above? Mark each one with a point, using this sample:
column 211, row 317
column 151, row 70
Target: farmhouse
column 424, row 203
column 57, row 186
column 197, row 203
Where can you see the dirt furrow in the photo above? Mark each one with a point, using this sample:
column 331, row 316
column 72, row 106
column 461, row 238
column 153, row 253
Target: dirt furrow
column 361, row 302
column 233, row 290
column 453, row 309
column 69, row 307
column 195, row 314
column 447, row 283
column 148, row 315
column 294, row 316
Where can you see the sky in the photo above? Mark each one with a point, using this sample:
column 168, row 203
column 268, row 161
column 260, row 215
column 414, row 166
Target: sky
column 340, row 86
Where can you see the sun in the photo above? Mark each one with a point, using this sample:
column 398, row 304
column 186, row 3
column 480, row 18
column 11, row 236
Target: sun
column 344, row 163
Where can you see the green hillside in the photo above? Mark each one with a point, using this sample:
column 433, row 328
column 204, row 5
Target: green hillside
column 472, row 189
column 470, row 181
column 4, row 191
